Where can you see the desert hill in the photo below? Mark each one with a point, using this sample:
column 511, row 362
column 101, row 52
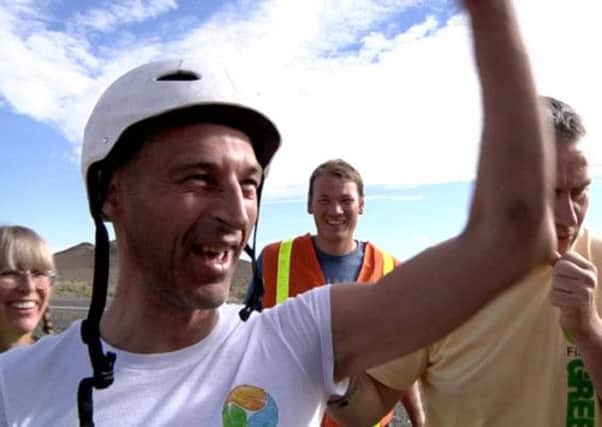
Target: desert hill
column 75, row 267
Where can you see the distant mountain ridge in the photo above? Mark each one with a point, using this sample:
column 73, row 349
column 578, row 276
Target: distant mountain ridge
column 75, row 266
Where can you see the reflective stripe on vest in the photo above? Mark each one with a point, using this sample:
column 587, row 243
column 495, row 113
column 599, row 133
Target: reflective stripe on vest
column 284, row 270
column 388, row 263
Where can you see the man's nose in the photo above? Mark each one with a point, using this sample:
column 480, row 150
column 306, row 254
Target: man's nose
column 233, row 208
column 336, row 208
column 565, row 210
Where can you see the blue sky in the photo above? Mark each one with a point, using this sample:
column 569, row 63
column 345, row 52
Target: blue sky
column 387, row 85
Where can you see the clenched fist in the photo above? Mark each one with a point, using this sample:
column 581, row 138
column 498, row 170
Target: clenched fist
column 574, row 288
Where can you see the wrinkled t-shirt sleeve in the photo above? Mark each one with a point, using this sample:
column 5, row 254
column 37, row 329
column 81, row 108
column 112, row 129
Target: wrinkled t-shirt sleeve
column 306, row 319
column 401, row 373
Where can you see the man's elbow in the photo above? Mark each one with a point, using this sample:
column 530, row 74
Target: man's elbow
column 520, row 234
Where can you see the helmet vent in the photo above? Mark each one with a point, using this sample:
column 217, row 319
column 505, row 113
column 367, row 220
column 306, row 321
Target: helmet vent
column 180, row 76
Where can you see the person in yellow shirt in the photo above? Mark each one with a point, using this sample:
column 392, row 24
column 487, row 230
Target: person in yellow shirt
column 531, row 357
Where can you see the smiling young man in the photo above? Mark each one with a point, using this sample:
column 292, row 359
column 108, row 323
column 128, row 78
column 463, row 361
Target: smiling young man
column 332, row 255
column 174, row 158
column 336, row 200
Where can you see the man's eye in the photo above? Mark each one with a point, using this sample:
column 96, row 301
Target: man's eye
column 250, row 183
column 579, row 192
column 198, row 177
column 249, row 188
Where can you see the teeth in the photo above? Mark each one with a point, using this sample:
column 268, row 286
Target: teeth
column 213, row 249
column 22, row 305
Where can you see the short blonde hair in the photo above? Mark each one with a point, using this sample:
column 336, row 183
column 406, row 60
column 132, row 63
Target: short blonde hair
column 23, row 249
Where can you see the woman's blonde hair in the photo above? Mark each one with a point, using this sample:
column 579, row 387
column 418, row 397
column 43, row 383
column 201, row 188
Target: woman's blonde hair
column 23, row 249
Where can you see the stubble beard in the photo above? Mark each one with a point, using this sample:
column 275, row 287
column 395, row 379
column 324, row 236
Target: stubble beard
column 187, row 297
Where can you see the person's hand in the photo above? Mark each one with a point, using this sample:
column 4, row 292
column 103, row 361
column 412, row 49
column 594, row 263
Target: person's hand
column 574, row 288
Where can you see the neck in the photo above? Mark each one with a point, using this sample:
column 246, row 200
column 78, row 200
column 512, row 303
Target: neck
column 337, row 248
column 139, row 322
column 6, row 343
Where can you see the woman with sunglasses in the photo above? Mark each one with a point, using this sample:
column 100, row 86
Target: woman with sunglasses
column 26, row 273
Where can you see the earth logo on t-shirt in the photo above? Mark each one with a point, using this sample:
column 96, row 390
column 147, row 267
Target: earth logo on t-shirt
column 249, row 406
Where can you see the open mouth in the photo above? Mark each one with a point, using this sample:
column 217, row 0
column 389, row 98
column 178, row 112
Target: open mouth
column 213, row 258
column 336, row 222
column 23, row 305
column 218, row 253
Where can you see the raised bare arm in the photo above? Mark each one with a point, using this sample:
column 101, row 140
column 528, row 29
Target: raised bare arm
column 509, row 230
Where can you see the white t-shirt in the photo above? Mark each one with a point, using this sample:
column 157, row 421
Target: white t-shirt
column 274, row 369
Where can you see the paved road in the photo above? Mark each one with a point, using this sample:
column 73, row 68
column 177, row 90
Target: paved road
column 64, row 311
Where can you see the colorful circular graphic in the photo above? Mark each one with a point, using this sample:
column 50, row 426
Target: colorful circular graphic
column 249, row 406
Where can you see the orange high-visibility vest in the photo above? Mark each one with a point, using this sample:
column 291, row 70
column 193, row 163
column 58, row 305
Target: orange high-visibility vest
column 291, row 267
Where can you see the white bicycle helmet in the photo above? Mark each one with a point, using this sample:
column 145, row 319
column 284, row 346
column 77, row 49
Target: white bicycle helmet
column 161, row 87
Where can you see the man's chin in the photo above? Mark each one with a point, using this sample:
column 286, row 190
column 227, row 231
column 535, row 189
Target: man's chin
column 204, row 301
column 205, row 297
column 212, row 303
column 336, row 235
column 212, row 296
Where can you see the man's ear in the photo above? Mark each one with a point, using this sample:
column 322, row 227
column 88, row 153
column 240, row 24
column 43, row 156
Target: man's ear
column 309, row 209
column 361, row 209
column 111, row 203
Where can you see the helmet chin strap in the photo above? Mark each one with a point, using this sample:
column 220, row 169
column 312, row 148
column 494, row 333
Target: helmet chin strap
column 102, row 364
column 253, row 301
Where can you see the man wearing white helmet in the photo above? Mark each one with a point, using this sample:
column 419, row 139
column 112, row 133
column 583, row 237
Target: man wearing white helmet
column 177, row 168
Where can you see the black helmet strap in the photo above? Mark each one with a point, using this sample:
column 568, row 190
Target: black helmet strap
column 253, row 301
column 102, row 364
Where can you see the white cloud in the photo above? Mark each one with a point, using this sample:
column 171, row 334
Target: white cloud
column 111, row 15
column 396, row 198
column 340, row 81
column 295, row 201
column 563, row 37
column 54, row 76
column 42, row 70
